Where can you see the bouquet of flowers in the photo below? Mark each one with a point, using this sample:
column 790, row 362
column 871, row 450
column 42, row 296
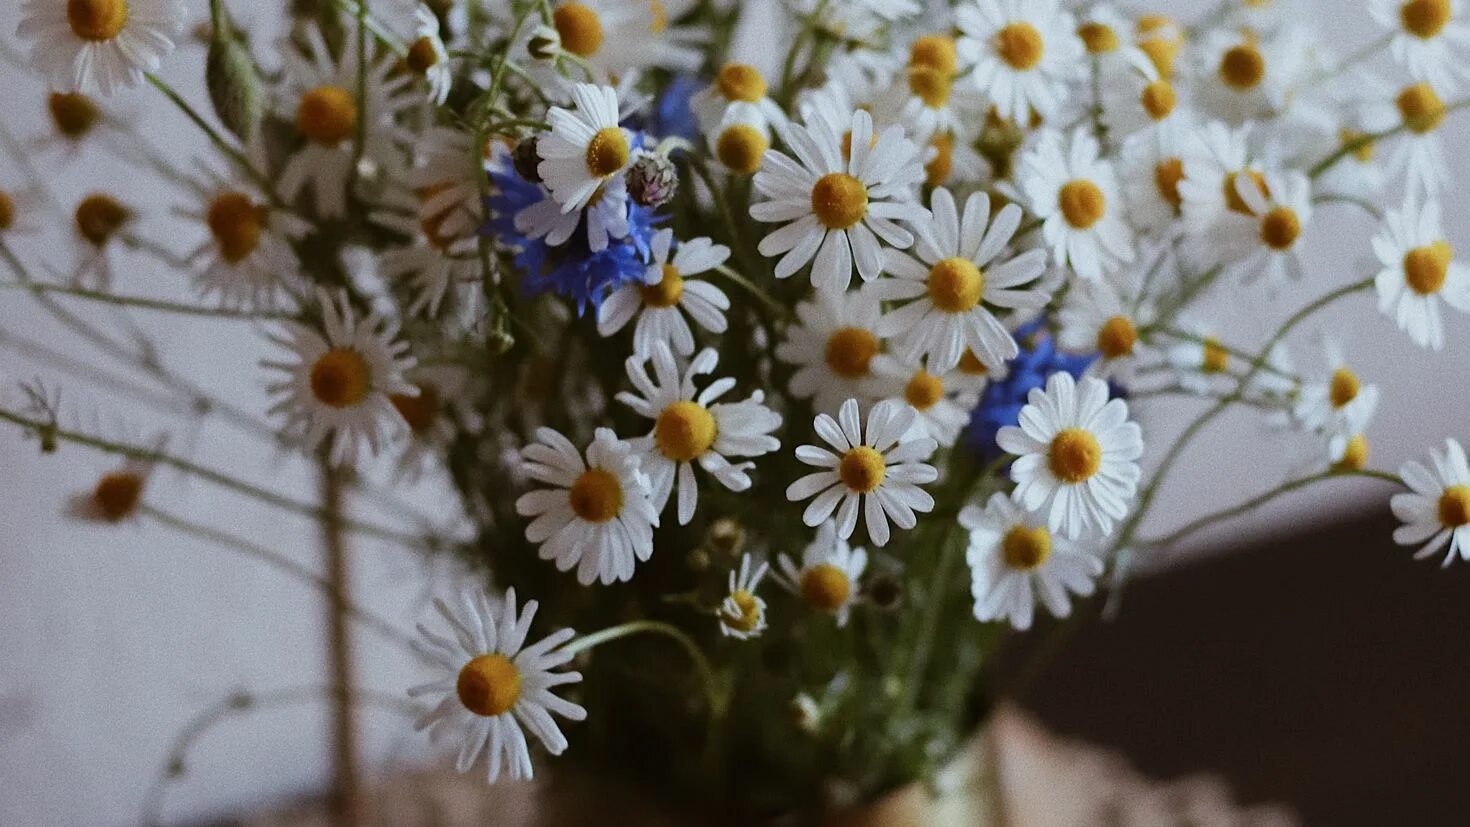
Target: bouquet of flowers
column 796, row 391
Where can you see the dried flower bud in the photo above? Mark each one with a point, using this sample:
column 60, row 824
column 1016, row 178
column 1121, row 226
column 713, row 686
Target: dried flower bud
column 652, row 179
column 726, row 536
column 885, row 592
column 545, row 43
column 526, row 160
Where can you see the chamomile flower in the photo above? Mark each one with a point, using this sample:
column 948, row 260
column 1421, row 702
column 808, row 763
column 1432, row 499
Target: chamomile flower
column 427, row 56
column 434, row 269
column 1266, row 244
column 939, row 398
column 1430, row 38
column 430, row 414
column 838, row 209
column 957, row 278
column 247, row 259
column 446, row 176
column 338, row 385
column 1419, row 269
column 99, row 221
column 605, row 214
column 1075, row 193
column 1152, row 168
column 829, row 574
column 1246, row 76
column 881, row 472
column 667, row 295
column 1417, row 154
column 594, row 515
column 694, row 428
column 922, row 98
column 1436, row 511
column 1213, row 164
column 1106, row 35
column 1161, row 38
column 585, row 148
column 1021, row 54
column 1135, row 98
column 740, row 140
column 99, row 44
column 1016, row 561
column 1199, row 359
column 1335, row 401
column 742, row 615
column 832, row 346
column 1095, row 318
column 1077, row 455
column 737, row 95
column 615, row 36
column 492, row 687
column 116, row 496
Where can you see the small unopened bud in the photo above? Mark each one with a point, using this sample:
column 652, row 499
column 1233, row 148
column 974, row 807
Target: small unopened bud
column 652, row 179
column 885, row 592
column 526, row 160
column 234, row 84
column 545, row 43
column 726, row 536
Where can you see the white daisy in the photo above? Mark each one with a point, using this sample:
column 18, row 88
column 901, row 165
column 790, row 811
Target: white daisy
column 585, row 148
column 596, row 515
column 442, row 257
column 922, row 99
column 838, row 209
column 881, row 472
column 1437, row 512
column 738, row 94
column 339, row 382
column 432, row 413
column 739, row 142
column 605, row 214
column 1430, row 37
column 829, row 574
column 99, row 221
column 1021, row 53
column 832, row 346
column 615, row 36
column 667, row 290
column 1135, row 98
column 1245, row 76
column 742, row 615
column 492, row 687
column 427, row 56
column 1215, row 161
column 1016, row 561
column 1335, row 402
column 99, row 44
column 1077, row 455
column 1152, row 168
column 1107, row 36
column 1417, row 155
column 957, row 278
column 1161, row 38
column 1096, row 318
column 248, row 258
column 1265, row 244
column 1419, row 269
column 1073, row 190
column 689, row 428
column 940, row 399
column 1200, row 361
column 446, row 177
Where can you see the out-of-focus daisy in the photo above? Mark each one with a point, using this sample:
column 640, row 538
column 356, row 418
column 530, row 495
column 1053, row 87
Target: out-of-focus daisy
column 427, row 56
column 1335, row 401
column 492, row 687
column 1247, row 76
column 1200, row 360
column 838, row 209
column 1077, row 455
column 1430, row 38
column 832, row 346
column 955, row 281
column 1075, row 193
column 921, row 98
column 615, row 36
column 1419, row 269
column 1107, row 36
column 1095, row 318
column 829, row 574
column 938, row 398
column 116, row 496
column 99, row 221
column 247, row 258
column 585, row 147
column 1016, row 561
column 1267, row 243
column 693, row 428
column 1437, row 510
column 742, row 614
column 1022, row 54
column 1152, row 167
column 594, row 515
column 881, row 471
column 1159, row 37
column 1416, row 154
column 1359, row 174
column 667, row 294
column 21, row 209
column 739, row 142
column 737, row 95
column 99, row 44
column 446, row 177
column 430, row 414
column 1215, row 161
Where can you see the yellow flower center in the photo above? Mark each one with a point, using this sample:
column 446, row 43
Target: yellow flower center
column 1426, row 268
column 1233, row 201
column 489, row 685
column 1099, row 38
column 936, row 51
column 826, row 587
column 1158, row 99
column 1162, row 52
column 1280, row 228
column 1075, row 455
column 1242, row 67
column 659, row 17
column 607, row 152
column 73, row 113
column 1083, row 203
column 750, row 612
column 741, row 148
column 7, row 211
column 1421, row 108
column 862, row 469
column 422, row 56
column 418, row 411
column 1216, row 358
column 98, row 217
column 579, row 27
column 839, row 200
column 956, row 285
column 1344, row 387
column 850, row 350
column 596, row 496
column 117, row 494
column 1425, row 18
column 1355, row 455
column 684, row 431
column 96, row 20
column 1167, row 175
column 847, row 141
column 924, row 390
column 236, row 223
column 970, row 365
column 1364, row 148
column 1020, row 45
column 1026, row 548
column 341, row 378
column 937, row 169
column 668, row 290
column 741, row 82
column 930, row 86
column 1117, row 337
column 1454, row 506
column 327, row 115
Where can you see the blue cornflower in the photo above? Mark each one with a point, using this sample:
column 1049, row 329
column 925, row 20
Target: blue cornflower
column 1001, row 403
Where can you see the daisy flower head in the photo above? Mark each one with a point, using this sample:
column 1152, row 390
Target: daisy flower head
column 247, row 258
column 491, row 688
column 427, row 56
column 1152, row 167
column 616, row 36
column 446, row 177
column 939, row 398
column 1436, row 510
column 1245, row 75
column 1077, row 455
column 116, row 496
column 667, row 295
column 1016, row 560
column 1265, row 244
column 740, row 140
column 692, row 427
column 1417, row 154
column 339, row 382
column 1430, row 38
column 1335, row 401
column 836, row 201
column 604, row 217
column 101, row 45
column 585, row 148
column 1199, row 359
column 1215, row 161
column 1161, row 38
column 832, row 347
column 737, row 94
column 430, row 413
column 595, row 515
column 1107, row 37
column 1097, row 318
column 1136, row 98
column 1021, row 53
column 922, row 98
column 99, row 221
column 1418, row 270
column 880, row 472
column 742, row 614
column 827, row 578
column 1075, row 194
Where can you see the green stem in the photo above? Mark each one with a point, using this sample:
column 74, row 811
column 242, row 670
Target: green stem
column 39, row 288
column 379, row 30
column 949, row 556
column 1365, row 140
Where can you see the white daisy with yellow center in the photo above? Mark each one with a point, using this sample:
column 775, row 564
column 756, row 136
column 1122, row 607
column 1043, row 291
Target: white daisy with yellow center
column 492, row 688
column 667, row 295
column 924, row 98
column 585, row 149
column 616, row 37
column 247, row 258
column 446, row 177
column 1416, row 153
column 939, row 398
column 1021, row 55
column 1430, row 38
column 1076, row 455
column 740, row 140
column 1419, row 270
column 1246, row 75
column 1016, row 562
column 836, row 204
column 832, row 346
column 879, row 473
column 605, row 214
column 99, row 44
column 427, row 57
column 1436, row 512
column 829, row 577
column 1266, row 242
column 339, row 382
column 1215, row 162
column 440, row 262
column 742, row 614
column 1335, row 402
column 1098, row 317
column 99, row 223
column 1152, row 168
column 595, row 515
column 1201, row 361
column 738, row 94
column 958, row 277
column 1075, row 194
column 692, row 427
